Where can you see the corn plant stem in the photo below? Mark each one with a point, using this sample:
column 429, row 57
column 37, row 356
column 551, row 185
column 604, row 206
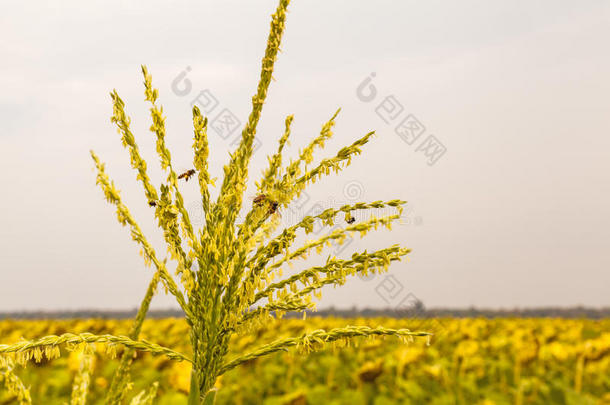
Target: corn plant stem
column 216, row 344
column 194, row 390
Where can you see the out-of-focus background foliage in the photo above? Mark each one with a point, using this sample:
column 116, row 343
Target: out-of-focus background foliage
column 470, row 361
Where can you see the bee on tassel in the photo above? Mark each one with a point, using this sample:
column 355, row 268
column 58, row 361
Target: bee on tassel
column 273, row 207
column 260, row 200
column 349, row 218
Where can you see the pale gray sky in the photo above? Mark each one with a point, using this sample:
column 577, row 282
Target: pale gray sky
column 515, row 213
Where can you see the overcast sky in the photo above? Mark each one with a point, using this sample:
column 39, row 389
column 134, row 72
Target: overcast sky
column 514, row 213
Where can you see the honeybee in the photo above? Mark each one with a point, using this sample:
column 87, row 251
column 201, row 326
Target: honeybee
column 187, row 175
column 152, row 203
column 259, row 199
column 273, row 207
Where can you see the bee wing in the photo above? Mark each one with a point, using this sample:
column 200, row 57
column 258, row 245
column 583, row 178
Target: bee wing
column 183, row 170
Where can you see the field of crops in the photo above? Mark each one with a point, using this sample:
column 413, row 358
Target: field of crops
column 470, row 361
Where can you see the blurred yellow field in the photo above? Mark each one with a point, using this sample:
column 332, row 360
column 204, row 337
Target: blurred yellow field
column 242, row 225
column 469, row 361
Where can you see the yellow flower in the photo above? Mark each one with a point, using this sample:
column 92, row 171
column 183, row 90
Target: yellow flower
column 180, row 376
column 435, row 370
column 409, row 354
column 467, row 348
column 559, row 351
column 74, row 360
column 101, row 382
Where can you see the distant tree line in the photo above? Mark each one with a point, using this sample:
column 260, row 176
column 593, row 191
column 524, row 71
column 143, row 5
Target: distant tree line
column 414, row 311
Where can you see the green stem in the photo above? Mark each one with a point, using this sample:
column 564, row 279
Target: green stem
column 119, row 381
column 194, row 393
column 210, row 398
